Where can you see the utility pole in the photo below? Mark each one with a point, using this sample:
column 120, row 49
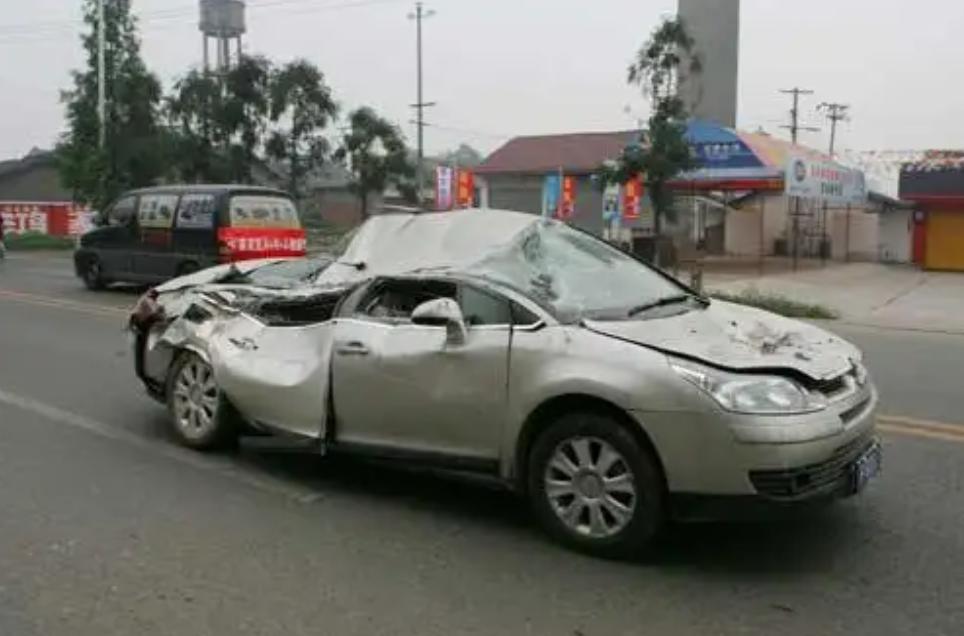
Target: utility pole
column 795, row 129
column 101, row 73
column 835, row 113
column 420, row 14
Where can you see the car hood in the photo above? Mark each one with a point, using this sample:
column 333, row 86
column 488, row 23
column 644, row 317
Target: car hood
column 214, row 274
column 740, row 338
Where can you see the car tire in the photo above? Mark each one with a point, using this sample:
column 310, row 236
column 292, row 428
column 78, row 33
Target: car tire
column 93, row 274
column 595, row 488
column 202, row 418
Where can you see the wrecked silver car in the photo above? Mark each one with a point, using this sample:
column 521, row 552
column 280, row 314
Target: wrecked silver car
column 613, row 396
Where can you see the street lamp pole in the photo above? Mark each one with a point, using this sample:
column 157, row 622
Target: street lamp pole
column 101, row 74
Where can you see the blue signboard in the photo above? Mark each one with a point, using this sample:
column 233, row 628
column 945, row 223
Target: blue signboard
column 551, row 191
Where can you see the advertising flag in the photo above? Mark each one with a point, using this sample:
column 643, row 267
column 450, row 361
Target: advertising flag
column 465, row 196
column 443, row 188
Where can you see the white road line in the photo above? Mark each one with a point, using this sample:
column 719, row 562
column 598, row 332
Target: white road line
column 208, row 463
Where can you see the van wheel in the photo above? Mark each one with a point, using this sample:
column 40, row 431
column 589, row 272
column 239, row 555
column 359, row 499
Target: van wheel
column 594, row 487
column 93, row 274
column 187, row 268
column 201, row 416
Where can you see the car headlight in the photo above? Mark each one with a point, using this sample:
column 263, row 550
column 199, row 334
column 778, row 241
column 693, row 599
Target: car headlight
column 751, row 394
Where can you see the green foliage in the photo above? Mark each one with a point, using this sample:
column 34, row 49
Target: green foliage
column 134, row 153
column 375, row 153
column 778, row 304
column 662, row 152
column 304, row 106
column 38, row 241
column 219, row 121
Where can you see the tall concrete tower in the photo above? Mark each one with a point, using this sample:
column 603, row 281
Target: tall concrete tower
column 715, row 27
column 222, row 21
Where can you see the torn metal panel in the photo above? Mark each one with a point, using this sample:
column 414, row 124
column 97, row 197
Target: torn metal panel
column 276, row 376
column 740, row 338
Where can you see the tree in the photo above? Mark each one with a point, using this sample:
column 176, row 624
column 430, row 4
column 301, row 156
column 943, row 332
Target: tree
column 130, row 157
column 220, row 121
column 465, row 156
column 243, row 116
column 193, row 112
column 375, row 152
column 662, row 152
column 300, row 100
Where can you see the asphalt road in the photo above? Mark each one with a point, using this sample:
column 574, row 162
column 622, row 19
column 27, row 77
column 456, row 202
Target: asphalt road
column 107, row 527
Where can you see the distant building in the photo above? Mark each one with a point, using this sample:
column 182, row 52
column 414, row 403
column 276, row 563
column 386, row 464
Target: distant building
column 715, row 26
column 32, row 178
column 513, row 176
column 936, row 185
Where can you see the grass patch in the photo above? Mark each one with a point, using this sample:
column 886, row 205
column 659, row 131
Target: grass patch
column 778, row 304
column 38, row 241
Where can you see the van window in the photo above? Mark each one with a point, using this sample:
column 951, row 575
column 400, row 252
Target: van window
column 263, row 211
column 122, row 212
column 196, row 212
column 156, row 211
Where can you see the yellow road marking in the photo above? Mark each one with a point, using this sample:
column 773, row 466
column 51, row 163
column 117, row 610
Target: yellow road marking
column 101, row 311
column 916, row 423
column 920, row 432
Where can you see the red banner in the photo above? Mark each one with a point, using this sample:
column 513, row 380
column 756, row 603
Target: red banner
column 567, row 204
column 56, row 219
column 465, row 192
column 632, row 198
column 245, row 243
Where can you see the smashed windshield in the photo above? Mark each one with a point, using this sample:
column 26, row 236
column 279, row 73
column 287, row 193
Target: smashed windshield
column 577, row 275
column 281, row 274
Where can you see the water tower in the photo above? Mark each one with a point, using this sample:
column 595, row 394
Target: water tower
column 222, row 21
column 715, row 28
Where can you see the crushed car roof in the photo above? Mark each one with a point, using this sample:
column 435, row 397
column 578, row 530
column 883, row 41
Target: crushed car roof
column 404, row 243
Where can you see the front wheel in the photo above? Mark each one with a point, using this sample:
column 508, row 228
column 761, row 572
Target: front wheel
column 594, row 487
column 93, row 274
column 201, row 415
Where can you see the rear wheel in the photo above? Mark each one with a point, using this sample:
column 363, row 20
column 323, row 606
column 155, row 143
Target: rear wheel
column 594, row 487
column 202, row 418
column 93, row 274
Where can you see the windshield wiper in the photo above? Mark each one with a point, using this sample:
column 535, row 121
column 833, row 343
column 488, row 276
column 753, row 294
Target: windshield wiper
column 665, row 301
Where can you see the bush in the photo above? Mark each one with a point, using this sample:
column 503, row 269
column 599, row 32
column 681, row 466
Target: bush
column 778, row 304
column 38, row 241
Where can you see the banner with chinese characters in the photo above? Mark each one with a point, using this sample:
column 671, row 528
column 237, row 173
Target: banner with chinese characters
column 567, row 205
column 612, row 203
column 444, row 177
column 633, row 199
column 824, row 181
column 551, row 192
column 55, row 219
column 465, row 192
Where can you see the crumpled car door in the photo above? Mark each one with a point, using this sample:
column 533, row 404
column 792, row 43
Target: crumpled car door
column 275, row 376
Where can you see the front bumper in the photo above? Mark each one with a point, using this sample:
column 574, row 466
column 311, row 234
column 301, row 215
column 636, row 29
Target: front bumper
column 785, row 460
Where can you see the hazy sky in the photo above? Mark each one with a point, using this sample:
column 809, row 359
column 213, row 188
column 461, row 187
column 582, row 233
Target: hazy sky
column 499, row 68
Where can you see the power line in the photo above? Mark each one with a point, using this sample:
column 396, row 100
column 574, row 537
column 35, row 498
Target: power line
column 794, row 126
column 40, row 31
column 468, row 131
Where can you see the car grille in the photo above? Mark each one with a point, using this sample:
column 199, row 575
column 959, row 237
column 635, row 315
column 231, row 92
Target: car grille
column 799, row 482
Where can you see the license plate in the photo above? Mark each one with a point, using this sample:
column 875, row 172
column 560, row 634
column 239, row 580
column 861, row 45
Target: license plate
column 866, row 467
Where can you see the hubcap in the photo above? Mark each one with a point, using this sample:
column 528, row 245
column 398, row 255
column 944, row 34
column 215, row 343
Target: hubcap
column 195, row 399
column 590, row 487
